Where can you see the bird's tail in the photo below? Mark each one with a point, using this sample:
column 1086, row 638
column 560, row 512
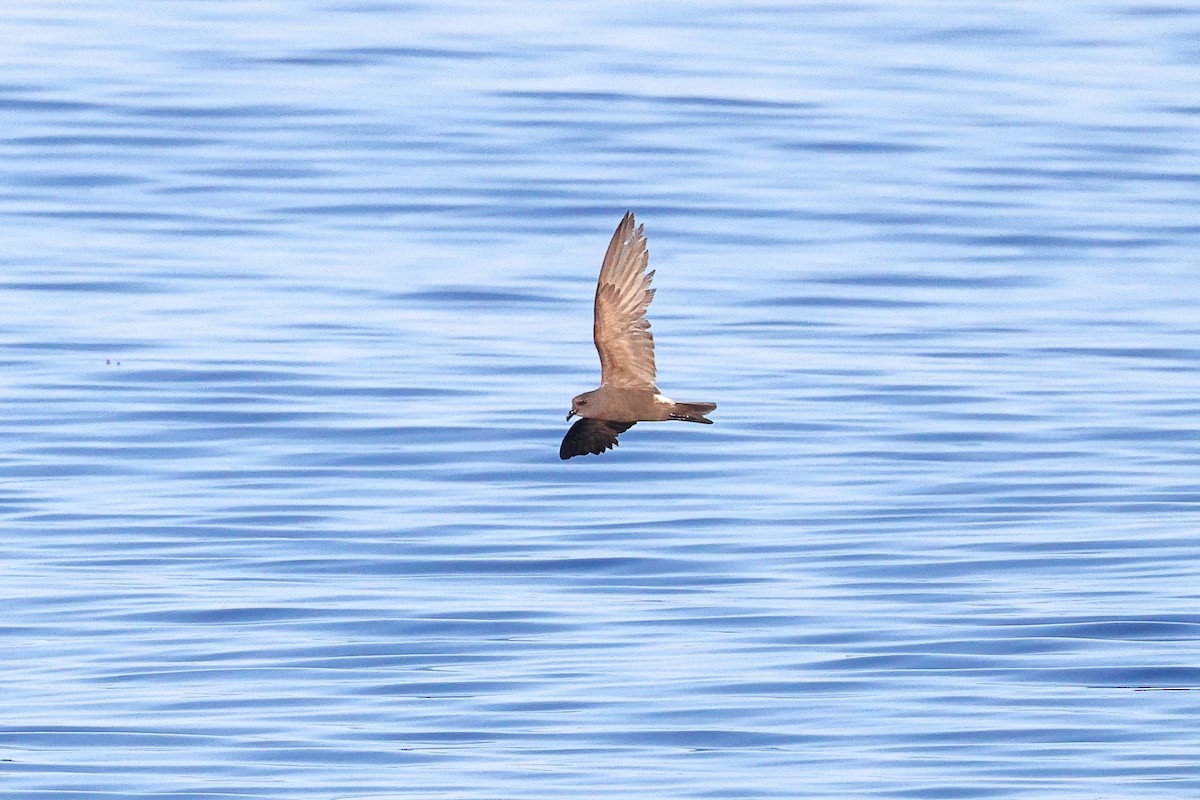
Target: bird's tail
column 693, row 412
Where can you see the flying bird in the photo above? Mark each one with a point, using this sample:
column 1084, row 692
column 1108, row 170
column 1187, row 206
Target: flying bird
column 627, row 394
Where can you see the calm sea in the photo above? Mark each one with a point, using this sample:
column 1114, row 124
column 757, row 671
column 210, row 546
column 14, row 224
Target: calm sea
column 293, row 300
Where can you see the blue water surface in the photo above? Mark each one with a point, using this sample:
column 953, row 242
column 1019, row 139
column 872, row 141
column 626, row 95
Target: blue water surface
column 293, row 300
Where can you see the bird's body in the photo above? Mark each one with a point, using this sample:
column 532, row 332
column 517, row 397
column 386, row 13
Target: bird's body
column 627, row 393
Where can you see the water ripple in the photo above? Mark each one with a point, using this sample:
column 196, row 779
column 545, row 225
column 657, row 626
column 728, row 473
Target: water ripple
column 295, row 305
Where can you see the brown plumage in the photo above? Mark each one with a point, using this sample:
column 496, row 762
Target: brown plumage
column 627, row 393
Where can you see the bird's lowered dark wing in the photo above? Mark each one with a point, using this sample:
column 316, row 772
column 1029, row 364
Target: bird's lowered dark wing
column 591, row 436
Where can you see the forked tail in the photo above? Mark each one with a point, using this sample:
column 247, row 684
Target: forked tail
column 693, row 412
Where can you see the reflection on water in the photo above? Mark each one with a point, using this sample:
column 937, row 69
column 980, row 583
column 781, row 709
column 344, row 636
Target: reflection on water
column 295, row 300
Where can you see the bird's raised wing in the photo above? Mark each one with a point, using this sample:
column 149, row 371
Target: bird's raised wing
column 591, row 436
column 623, row 294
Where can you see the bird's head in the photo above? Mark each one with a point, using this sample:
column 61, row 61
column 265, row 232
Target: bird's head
column 580, row 405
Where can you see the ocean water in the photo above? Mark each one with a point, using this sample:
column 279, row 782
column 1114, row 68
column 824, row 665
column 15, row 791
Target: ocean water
column 293, row 300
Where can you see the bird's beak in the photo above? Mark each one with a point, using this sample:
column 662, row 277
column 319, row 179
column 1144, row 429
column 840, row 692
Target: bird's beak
column 570, row 414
